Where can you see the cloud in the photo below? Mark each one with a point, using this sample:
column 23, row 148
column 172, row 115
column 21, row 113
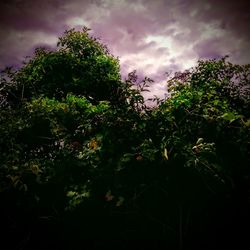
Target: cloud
column 23, row 15
column 152, row 37
column 22, row 44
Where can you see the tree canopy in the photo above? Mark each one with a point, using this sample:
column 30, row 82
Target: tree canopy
column 82, row 156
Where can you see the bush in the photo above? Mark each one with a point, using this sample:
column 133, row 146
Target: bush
column 84, row 158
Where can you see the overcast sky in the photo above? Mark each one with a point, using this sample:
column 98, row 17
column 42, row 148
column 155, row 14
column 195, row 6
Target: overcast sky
column 151, row 36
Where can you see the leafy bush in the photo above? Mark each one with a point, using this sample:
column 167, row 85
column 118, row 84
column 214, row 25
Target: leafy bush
column 80, row 148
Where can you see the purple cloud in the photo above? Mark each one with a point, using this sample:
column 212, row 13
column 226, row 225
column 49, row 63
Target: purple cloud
column 152, row 37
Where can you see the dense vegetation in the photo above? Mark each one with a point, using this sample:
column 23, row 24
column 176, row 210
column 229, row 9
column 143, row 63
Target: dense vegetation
column 83, row 158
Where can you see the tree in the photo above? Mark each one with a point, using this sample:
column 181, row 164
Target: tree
column 204, row 127
column 64, row 107
column 84, row 151
column 80, row 65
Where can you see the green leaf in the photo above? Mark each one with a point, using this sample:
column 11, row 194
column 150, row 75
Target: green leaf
column 229, row 116
column 247, row 123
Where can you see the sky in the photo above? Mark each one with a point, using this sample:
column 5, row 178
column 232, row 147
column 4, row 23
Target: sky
column 150, row 36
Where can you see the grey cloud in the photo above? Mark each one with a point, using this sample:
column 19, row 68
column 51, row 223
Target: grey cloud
column 32, row 15
column 209, row 49
column 232, row 15
column 196, row 29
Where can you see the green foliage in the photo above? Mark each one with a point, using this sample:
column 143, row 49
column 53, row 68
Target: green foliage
column 82, row 144
column 80, row 65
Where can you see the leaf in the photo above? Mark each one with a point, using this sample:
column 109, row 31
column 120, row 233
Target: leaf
column 14, row 179
column 247, row 123
column 165, row 153
column 93, row 144
column 229, row 116
column 71, row 193
column 109, row 196
column 24, row 187
column 205, row 116
column 35, row 169
column 199, row 141
column 120, row 201
column 139, row 158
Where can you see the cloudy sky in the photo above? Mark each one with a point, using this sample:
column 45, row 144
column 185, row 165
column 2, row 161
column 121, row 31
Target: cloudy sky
column 151, row 36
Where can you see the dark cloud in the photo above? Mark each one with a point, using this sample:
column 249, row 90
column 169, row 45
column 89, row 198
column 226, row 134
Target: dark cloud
column 232, row 16
column 150, row 36
column 23, row 15
column 209, row 49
